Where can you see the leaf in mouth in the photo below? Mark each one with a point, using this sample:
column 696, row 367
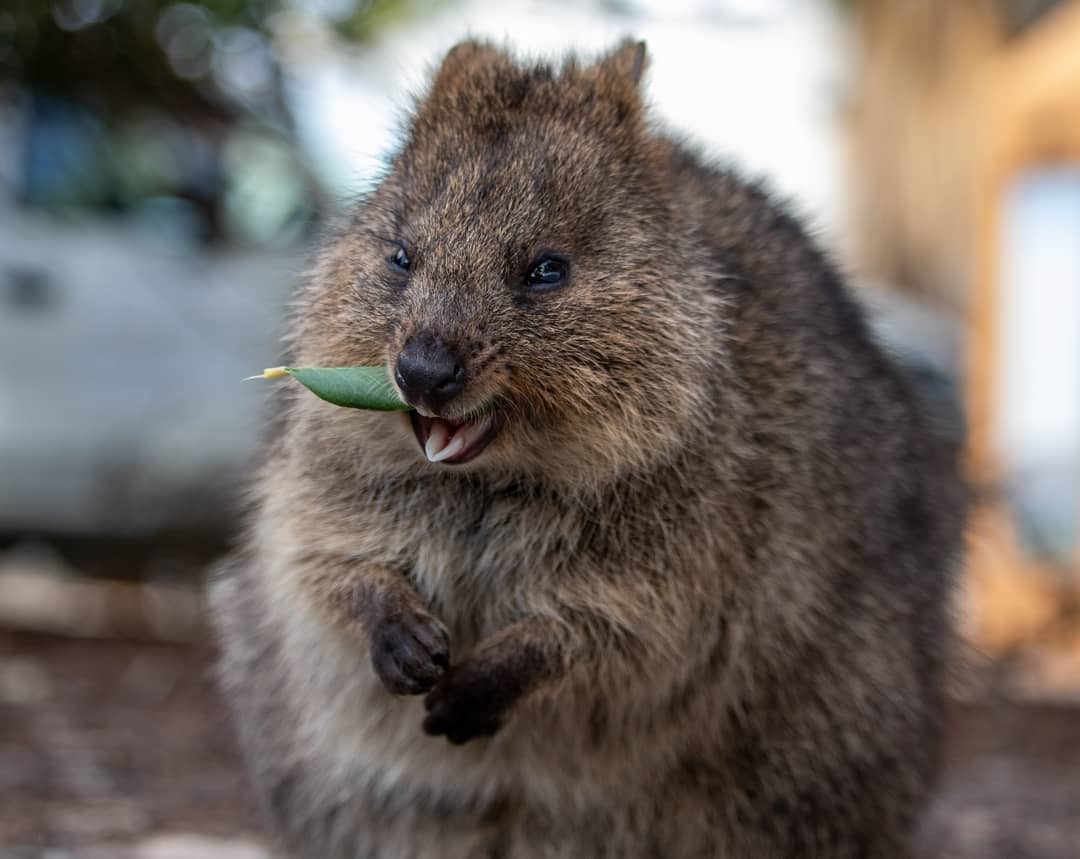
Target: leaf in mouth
column 351, row 387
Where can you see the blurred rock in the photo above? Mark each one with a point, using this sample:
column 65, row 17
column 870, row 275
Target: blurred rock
column 40, row 592
column 198, row 847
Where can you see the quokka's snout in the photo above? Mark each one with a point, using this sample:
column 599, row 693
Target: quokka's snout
column 430, row 371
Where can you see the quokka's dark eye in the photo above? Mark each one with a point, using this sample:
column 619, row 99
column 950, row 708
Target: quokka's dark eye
column 548, row 272
column 399, row 259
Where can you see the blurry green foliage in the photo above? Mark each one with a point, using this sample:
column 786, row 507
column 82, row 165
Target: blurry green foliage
column 368, row 18
column 116, row 54
column 175, row 108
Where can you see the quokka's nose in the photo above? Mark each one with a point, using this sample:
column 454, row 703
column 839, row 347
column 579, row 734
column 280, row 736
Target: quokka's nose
column 429, row 372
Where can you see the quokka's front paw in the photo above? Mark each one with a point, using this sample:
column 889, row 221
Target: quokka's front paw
column 469, row 702
column 410, row 652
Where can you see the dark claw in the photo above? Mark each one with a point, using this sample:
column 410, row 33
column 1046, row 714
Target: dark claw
column 410, row 653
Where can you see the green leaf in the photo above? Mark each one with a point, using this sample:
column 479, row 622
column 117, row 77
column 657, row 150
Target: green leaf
column 351, row 387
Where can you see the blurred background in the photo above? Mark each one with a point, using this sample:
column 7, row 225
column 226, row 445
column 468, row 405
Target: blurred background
column 164, row 167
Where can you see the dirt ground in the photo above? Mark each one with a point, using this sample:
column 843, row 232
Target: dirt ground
column 106, row 746
column 103, row 743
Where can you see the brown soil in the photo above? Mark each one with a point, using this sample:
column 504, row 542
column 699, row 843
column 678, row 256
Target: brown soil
column 109, row 741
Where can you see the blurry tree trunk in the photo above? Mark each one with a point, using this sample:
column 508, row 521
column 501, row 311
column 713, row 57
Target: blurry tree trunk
column 1033, row 120
column 914, row 133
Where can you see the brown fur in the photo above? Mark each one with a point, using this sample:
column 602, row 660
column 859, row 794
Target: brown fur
column 692, row 599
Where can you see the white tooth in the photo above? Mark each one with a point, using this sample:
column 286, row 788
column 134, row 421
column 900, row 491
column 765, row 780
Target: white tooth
column 471, row 432
column 438, row 436
column 457, row 443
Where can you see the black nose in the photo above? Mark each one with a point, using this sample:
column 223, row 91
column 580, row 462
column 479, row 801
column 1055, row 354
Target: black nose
column 429, row 372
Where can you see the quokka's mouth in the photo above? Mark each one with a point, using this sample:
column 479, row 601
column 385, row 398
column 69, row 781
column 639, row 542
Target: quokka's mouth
column 453, row 442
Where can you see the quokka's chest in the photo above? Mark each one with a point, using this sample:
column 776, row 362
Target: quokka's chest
column 485, row 562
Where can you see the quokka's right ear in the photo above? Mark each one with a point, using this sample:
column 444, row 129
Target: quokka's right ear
column 465, row 64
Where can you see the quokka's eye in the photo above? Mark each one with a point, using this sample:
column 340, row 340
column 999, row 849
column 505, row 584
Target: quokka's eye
column 399, row 259
column 548, row 272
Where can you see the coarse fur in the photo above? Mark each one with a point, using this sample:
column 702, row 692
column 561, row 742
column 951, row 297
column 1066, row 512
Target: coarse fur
column 692, row 599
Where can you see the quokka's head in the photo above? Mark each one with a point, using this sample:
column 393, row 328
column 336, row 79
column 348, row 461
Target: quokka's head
column 519, row 273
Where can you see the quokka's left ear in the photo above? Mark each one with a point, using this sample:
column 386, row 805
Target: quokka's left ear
column 625, row 64
column 617, row 81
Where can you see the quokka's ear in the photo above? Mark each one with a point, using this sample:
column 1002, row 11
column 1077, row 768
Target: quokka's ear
column 466, row 63
column 625, row 64
column 617, row 80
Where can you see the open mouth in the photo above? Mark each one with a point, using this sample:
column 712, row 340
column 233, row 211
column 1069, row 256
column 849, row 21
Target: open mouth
column 453, row 442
